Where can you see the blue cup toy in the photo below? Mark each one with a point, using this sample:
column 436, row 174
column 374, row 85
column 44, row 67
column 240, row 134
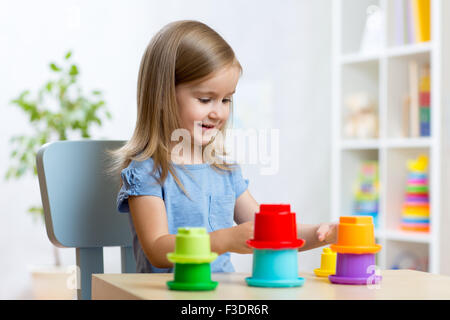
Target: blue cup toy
column 275, row 268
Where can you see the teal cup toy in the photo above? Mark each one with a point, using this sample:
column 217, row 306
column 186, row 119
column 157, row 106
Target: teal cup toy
column 275, row 268
column 275, row 243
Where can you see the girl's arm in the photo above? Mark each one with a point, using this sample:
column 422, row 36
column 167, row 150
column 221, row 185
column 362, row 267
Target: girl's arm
column 245, row 208
column 244, row 215
column 317, row 235
column 150, row 222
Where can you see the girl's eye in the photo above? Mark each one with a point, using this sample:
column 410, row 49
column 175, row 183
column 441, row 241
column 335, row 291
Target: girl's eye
column 228, row 100
column 204, row 100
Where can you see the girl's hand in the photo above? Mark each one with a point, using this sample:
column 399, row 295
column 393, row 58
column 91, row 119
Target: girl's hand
column 238, row 235
column 327, row 233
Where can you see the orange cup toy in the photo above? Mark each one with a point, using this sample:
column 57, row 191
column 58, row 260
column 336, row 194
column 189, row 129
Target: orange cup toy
column 356, row 235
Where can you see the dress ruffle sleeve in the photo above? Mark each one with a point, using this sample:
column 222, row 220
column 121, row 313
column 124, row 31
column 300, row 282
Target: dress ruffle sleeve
column 240, row 184
column 137, row 180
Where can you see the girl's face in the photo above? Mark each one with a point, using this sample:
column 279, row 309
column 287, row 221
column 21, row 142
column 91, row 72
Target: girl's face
column 205, row 106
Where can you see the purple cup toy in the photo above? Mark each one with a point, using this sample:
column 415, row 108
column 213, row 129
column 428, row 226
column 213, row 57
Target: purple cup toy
column 355, row 269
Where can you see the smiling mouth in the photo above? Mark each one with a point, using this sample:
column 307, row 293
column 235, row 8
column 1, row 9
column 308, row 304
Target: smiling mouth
column 207, row 126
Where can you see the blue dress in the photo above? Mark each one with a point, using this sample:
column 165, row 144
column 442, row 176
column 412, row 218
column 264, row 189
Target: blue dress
column 211, row 205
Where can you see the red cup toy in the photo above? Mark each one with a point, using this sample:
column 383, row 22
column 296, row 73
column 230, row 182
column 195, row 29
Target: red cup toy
column 275, row 228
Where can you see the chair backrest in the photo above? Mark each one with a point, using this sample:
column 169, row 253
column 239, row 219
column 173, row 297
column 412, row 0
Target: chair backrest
column 79, row 201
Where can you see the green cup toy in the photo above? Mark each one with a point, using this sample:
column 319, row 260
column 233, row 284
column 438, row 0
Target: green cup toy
column 192, row 258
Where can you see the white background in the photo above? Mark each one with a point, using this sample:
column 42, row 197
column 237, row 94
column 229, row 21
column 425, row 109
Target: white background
column 283, row 46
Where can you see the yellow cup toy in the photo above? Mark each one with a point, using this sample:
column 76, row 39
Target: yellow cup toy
column 327, row 263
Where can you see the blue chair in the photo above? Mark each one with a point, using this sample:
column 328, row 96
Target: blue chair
column 79, row 201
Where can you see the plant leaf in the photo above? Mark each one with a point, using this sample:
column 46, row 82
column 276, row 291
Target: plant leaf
column 49, row 86
column 54, row 67
column 11, row 172
column 24, row 94
column 73, row 70
column 35, row 209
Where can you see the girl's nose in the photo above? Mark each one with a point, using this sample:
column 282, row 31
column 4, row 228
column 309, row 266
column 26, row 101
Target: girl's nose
column 218, row 110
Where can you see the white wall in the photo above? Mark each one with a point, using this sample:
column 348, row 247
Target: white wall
column 284, row 47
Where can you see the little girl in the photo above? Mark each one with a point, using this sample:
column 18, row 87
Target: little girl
column 187, row 78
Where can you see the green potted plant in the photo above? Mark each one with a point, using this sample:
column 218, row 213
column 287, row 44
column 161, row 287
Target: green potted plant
column 59, row 110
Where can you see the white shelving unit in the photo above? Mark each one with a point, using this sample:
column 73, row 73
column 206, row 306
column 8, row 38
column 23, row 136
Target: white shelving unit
column 384, row 74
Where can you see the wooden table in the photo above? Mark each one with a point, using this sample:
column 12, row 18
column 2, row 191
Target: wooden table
column 396, row 284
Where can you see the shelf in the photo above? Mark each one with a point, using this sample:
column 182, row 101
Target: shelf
column 379, row 235
column 359, row 58
column 409, row 49
column 408, row 143
column 362, row 144
column 383, row 76
column 368, row 144
column 398, row 51
column 399, row 235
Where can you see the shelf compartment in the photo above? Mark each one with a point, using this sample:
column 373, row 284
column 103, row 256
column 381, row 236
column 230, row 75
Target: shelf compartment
column 406, row 255
column 360, row 93
column 350, row 168
column 396, row 182
column 398, row 90
column 400, row 24
column 354, row 15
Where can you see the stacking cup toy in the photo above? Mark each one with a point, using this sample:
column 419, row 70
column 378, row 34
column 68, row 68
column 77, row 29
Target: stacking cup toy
column 327, row 263
column 356, row 250
column 275, row 246
column 192, row 259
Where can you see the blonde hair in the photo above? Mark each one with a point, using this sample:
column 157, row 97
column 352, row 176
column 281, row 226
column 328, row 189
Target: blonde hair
column 181, row 52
